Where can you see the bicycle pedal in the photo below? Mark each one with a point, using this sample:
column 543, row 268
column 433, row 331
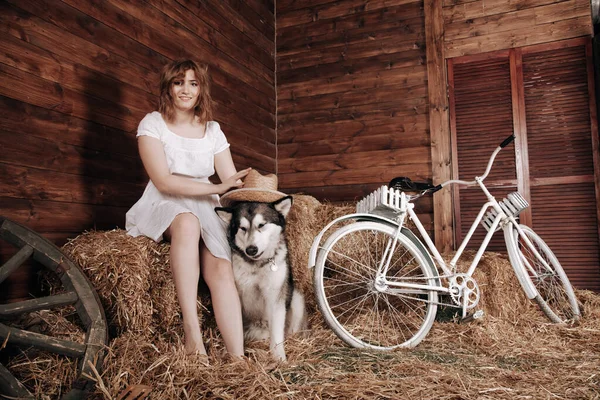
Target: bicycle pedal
column 472, row 317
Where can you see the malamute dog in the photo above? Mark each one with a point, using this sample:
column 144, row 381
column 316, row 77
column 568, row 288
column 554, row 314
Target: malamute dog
column 271, row 308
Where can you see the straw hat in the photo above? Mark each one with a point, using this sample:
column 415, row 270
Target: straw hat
column 257, row 187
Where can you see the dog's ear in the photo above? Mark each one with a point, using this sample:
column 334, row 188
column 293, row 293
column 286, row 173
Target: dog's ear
column 224, row 213
column 283, row 205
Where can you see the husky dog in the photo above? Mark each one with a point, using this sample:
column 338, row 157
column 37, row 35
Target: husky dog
column 271, row 307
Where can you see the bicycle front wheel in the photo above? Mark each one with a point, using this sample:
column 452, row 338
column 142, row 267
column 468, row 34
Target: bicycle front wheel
column 362, row 308
column 555, row 294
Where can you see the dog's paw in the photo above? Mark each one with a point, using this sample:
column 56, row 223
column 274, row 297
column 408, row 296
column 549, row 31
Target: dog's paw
column 278, row 352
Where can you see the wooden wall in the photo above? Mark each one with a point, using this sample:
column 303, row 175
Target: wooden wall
column 472, row 27
column 351, row 96
column 78, row 75
column 478, row 26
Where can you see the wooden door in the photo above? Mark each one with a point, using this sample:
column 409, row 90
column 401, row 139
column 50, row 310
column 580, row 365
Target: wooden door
column 544, row 94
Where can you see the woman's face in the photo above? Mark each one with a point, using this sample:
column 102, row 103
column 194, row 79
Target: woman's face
column 185, row 91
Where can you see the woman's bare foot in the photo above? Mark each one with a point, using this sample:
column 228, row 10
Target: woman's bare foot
column 193, row 340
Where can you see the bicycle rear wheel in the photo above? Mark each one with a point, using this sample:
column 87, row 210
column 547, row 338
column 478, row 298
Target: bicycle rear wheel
column 555, row 294
column 359, row 308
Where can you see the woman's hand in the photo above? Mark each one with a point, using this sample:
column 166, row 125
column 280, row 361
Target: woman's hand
column 234, row 181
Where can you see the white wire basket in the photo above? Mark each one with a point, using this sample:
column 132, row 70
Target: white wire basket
column 512, row 205
column 381, row 200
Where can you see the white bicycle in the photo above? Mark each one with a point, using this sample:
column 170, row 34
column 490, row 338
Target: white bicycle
column 377, row 285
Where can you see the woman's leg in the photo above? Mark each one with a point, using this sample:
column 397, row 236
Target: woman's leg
column 184, row 234
column 218, row 275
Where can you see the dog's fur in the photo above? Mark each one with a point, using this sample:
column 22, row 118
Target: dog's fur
column 271, row 307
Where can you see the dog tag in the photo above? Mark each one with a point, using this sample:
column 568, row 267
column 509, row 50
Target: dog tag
column 273, row 266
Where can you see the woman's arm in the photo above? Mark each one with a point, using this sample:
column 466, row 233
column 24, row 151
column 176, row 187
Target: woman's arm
column 224, row 165
column 155, row 162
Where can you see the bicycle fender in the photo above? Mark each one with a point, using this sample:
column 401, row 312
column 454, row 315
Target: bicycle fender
column 312, row 255
column 521, row 273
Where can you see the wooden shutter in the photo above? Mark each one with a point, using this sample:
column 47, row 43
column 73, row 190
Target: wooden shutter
column 545, row 94
column 561, row 162
column 481, row 114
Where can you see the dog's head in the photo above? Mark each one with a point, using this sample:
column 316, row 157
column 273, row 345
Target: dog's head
column 255, row 230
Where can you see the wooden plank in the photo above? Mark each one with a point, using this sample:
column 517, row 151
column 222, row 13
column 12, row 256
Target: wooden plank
column 256, row 12
column 243, row 122
column 74, row 46
column 379, row 175
column 439, row 123
column 480, row 8
column 225, row 21
column 257, row 45
column 45, row 154
column 520, row 131
column 58, row 217
column 32, row 183
column 58, row 127
column 42, row 93
column 408, row 77
column 288, row 5
column 405, row 107
column 365, row 159
column 559, row 30
column 409, row 127
column 335, row 10
column 350, row 145
column 352, row 98
column 382, row 62
column 42, row 63
column 245, row 106
column 343, row 52
column 243, row 17
column 518, row 20
column 263, row 66
column 265, row 8
column 33, row 60
column 171, row 40
column 370, row 27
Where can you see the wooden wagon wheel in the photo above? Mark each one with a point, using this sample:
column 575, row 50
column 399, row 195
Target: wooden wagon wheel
column 79, row 292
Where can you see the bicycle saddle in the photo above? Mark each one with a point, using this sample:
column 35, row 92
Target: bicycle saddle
column 405, row 184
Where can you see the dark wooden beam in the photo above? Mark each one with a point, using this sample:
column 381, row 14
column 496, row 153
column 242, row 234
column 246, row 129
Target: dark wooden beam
column 439, row 123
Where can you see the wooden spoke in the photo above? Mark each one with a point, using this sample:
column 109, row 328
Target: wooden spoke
column 12, row 387
column 43, row 342
column 42, row 303
column 15, row 262
column 78, row 291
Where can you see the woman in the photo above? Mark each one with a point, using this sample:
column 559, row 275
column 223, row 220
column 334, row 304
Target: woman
column 181, row 147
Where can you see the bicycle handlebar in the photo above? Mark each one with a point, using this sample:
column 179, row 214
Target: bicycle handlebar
column 434, row 189
column 502, row 145
column 507, row 141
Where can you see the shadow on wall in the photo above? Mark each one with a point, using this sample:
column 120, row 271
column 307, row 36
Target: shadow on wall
column 106, row 168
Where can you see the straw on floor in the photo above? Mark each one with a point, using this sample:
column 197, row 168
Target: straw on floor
column 513, row 353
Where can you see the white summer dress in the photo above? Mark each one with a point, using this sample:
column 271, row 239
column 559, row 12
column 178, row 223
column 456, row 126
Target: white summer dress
column 191, row 157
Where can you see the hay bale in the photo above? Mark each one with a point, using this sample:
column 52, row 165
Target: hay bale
column 514, row 352
column 306, row 219
column 132, row 277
